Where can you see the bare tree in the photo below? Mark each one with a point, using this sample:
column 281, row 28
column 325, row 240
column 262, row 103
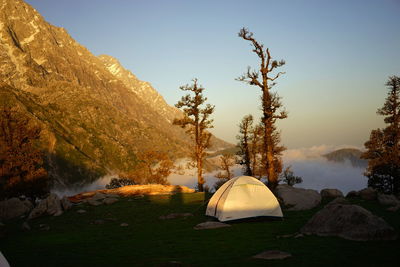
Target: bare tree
column 196, row 121
column 271, row 104
column 226, row 162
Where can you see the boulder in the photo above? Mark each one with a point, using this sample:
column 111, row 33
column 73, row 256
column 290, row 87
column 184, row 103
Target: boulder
column 39, row 210
column 331, row 193
column 13, row 208
column 297, row 198
column 388, row 200
column 99, row 196
column 349, row 222
column 368, row 193
column 352, row 194
column 65, row 203
column 50, row 205
column 339, row 200
column 210, row 225
column 93, row 202
column 53, row 205
column 25, row 227
column 273, row 255
column 109, row 201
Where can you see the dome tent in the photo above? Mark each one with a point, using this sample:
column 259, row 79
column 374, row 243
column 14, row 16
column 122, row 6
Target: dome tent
column 243, row 197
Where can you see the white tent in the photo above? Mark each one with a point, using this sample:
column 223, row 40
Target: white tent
column 243, row 197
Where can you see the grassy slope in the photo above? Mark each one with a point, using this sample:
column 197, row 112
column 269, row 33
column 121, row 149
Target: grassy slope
column 148, row 241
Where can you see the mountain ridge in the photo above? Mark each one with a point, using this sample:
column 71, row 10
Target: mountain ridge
column 93, row 121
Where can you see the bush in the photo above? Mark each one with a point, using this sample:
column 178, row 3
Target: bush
column 289, row 178
column 119, row 182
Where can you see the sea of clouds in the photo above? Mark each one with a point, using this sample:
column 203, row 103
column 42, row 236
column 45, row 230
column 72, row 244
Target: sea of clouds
column 317, row 173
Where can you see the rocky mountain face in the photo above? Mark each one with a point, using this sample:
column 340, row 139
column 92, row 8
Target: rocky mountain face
column 95, row 114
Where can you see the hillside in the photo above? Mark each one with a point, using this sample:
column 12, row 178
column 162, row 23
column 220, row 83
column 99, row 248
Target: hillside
column 351, row 155
column 95, row 114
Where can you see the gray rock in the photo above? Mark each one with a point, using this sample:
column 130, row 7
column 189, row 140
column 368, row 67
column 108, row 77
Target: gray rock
column 210, row 225
column 124, row 224
column 352, row 194
column 393, row 209
column 297, row 198
column 39, row 210
column 93, row 202
column 175, row 215
column 388, row 200
column 99, row 196
column 44, row 227
column 81, row 211
column 99, row 221
column 331, row 193
column 273, row 255
column 109, row 201
column 13, row 208
column 368, row 193
column 339, row 200
column 112, row 196
column 53, row 205
column 26, row 227
column 65, row 203
column 349, row 222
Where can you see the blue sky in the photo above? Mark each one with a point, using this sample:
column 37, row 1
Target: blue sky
column 338, row 56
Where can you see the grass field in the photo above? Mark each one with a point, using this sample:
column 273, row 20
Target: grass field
column 75, row 240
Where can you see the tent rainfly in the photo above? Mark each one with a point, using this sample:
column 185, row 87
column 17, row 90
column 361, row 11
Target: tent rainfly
column 243, row 197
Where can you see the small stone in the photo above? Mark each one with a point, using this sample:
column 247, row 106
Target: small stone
column 175, row 215
column 284, row 236
column 65, row 203
column 300, row 235
column 124, row 224
column 210, row 225
column 99, row 196
column 112, row 196
column 81, row 211
column 394, row 208
column 273, row 255
column 93, row 202
column 26, row 226
column 109, row 201
column 44, row 227
column 99, row 221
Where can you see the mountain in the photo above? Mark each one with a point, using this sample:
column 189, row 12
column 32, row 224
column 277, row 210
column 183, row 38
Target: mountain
column 95, row 114
column 351, row 155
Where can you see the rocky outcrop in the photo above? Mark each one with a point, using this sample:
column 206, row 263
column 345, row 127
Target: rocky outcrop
column 50, row 206
column 331, row 193
column 13, row 208
column 349, row 222
column 297, row 198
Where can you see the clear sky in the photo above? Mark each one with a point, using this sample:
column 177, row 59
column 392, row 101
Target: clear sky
column 338, row 56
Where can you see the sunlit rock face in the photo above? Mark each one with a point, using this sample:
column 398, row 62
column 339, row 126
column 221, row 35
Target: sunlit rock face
column 95, row 117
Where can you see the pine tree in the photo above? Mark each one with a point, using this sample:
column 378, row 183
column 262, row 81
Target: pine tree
column 383, row 147
column 196, row 121
column 271, row 105
column 245, row 129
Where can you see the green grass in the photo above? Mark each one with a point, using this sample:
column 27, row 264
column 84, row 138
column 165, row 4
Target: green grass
column 73, row 239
